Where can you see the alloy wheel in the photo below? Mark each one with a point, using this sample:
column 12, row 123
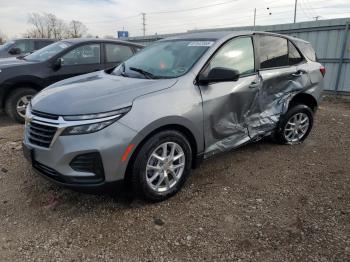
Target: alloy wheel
column 22, row 104
column 296, row 127
column 165, row 167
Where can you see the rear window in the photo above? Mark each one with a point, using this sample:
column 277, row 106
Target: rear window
column 307, row 50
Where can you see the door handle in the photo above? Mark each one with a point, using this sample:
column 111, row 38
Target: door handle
column 254, row 84
column 299, row 73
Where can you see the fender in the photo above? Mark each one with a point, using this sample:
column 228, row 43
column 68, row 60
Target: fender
column 179, row 121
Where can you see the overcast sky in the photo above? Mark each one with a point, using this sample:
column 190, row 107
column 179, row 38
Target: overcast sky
column 106, row 17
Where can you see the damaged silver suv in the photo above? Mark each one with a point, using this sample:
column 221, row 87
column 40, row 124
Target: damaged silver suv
column 149, row 121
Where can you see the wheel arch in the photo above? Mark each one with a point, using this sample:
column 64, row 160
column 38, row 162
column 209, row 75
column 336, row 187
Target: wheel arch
column 184, row 130
column 13, row 84
column 306, row 99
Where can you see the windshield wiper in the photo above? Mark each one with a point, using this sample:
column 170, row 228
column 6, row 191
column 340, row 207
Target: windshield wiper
column 143, row 72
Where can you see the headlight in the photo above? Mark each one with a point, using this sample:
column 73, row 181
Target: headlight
column 86, row 129
column 116, row 113
column 95, row 126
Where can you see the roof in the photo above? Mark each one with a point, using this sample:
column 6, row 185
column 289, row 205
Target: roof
column 29, row 38
column 216, row 35
column 100, row 40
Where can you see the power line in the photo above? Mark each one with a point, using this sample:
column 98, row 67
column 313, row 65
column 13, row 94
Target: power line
column 113, row 20
column 307, row 15
column 191, row 9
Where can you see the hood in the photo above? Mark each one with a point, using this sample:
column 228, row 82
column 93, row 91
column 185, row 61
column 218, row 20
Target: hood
column 13, row 61
column 95, row 93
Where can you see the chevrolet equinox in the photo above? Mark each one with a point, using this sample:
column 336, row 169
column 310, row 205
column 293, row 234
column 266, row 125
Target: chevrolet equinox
column 153, row 118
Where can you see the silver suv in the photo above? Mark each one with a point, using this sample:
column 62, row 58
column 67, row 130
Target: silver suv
column 153, row 118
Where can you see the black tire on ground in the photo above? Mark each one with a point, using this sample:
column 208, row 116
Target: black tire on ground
column 299, row 108
column 13, row 98
column 138, row 174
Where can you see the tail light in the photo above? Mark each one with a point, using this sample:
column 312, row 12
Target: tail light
column 323, row 70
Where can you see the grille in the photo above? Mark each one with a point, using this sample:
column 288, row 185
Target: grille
column 44, row 115
column 41, row 135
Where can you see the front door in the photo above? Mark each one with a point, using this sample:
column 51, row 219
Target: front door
column 80, row 60
column 227, row 105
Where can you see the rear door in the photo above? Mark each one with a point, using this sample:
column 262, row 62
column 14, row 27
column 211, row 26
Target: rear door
column 281, row 76
column 226, row 105
column 116, row 54
column 80, row 60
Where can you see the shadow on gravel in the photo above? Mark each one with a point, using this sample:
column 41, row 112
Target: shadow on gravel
column 6, row 121
column 118, row 195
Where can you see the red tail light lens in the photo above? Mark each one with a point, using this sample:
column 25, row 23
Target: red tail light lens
column 323, row 70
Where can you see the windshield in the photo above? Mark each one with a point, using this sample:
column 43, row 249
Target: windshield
column 165, row 59
column 48, row 51
column 6, row 45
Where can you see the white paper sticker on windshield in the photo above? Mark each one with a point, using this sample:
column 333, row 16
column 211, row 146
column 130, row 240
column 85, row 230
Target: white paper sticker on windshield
column 201, row 43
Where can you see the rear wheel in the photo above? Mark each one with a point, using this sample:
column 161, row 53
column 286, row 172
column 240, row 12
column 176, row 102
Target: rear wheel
column 162, row 166
column 295, row 125
column 17, row 102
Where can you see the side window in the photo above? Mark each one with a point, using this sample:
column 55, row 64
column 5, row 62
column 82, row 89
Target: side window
column 117, row 53
column 294, row 55
column 237, row 54
column 25, row 46
column 273, row 52
column 83, row 55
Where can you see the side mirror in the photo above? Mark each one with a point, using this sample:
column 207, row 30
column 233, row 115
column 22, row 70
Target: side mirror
column 219, row 74
column 57, row 64
column 14, row 51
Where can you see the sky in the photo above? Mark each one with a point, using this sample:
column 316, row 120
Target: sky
column 106, row 17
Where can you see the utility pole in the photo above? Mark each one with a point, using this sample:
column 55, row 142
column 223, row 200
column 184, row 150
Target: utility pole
column 254, row 17
column 295, row 11
column 317, row 17
column 144, row 23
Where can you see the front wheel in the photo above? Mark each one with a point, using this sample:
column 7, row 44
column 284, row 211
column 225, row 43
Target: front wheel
column 295, row 125
column 162, row 166
column 17, row 102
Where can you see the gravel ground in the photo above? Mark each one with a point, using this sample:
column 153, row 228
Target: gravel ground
column 262, row 202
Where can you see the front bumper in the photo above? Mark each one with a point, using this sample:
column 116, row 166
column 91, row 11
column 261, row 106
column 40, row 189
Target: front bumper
column 54, row 162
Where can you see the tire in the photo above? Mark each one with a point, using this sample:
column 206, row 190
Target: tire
column 142, row 174
column 14, row 99
column 286, row 132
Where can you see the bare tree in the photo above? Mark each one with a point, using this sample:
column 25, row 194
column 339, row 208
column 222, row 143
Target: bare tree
column 3, row 38
column 76, row 29
column 48, row 25
column 56, row 27
column 39, row 24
